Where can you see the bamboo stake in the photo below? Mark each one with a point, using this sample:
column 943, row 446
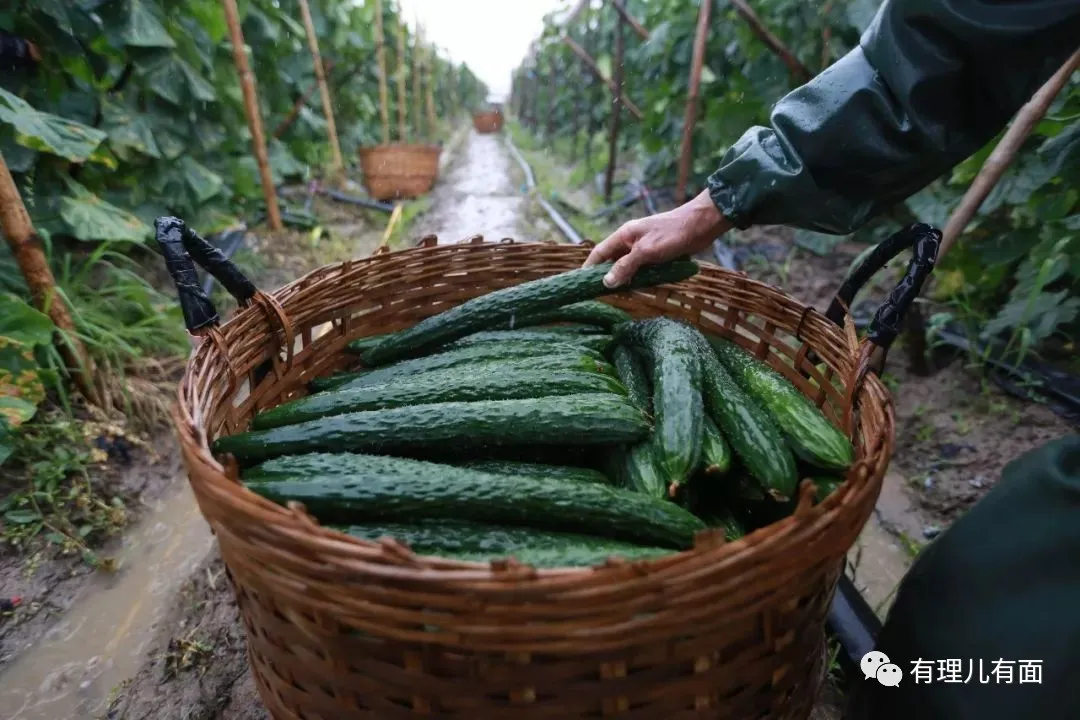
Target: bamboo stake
column 595, row 69
column 301, row 101
column 630, row 20
column 800, row 71
column 402, row 106
column 384, row 109
column 337, row 164
column 701, row 37
column 429, row 74
column 616, row 114
column 251, row 109
column 1004, row 152
column 552, row 91
column 418, row 110
column 30, row 257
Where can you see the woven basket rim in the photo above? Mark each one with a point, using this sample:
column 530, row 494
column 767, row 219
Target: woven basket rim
column 400, row 146
column 394, row 562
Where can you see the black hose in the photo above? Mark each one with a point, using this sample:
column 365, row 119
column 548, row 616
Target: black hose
column 229, row 243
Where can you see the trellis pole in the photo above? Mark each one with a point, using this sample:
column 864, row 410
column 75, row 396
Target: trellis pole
column 418, row 109
column 429, row 75
column 251, row 109
column 701, row 38
column 616, row 111
column 384, row 109
column 337, row 164
column 403, row 104
column 30, row 257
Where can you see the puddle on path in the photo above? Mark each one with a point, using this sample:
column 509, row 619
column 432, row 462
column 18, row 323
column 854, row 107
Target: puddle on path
column 477, row 196
column 103, row 639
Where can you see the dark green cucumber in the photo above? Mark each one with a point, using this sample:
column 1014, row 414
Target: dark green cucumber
column 733, row 527
column 484, row 352
column 452, row 385
column 636, row 467
column 670, row 351
column 715, row 451
column 494, row 308
column 808, row 431
column 585, row 418
column 825, row 486
column 634, row 377
column 537, row 470
column 597, row 343
column 481, row 543
column 750, row 431
column 588, row 312
column 359, row 345
column 402, row 490
column 556, row 362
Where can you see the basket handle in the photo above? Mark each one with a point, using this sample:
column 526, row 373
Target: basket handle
column 199, row 311
column 924, row 241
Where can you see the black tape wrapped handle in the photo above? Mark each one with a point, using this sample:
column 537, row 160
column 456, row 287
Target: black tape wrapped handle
column 924, row 241
column 182, row 248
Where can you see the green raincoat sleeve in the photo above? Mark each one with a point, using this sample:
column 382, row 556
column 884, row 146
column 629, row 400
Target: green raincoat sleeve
column 931, row 82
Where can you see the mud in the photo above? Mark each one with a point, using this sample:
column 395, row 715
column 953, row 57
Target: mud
column 476, row 195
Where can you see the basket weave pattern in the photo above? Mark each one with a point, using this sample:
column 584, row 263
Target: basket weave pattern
column 399, row 171
column 488, row 122
column 343, row 629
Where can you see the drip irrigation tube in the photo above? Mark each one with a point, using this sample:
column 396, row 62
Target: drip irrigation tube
column 530, row 180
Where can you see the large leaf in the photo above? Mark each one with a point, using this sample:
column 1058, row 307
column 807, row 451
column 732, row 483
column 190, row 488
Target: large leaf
column 204, row 183
column 129, row 130
column 143, row 29
column 23, row 324
column 48, row 133
column 88, row 217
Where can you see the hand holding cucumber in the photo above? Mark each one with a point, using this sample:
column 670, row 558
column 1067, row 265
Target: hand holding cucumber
column 686, row 230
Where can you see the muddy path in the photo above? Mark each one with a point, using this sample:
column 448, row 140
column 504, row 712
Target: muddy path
column 476, row 195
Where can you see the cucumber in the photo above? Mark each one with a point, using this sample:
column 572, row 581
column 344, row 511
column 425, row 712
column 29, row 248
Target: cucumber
column 674, row 361
column 637, row 468
column 825, row 486
column 588, row 312
column 732, row 525
column 563, row 355
column 810, row 434
column 359, row 345
column 537, row 470
column 585, row 418
column 488, row 310
column 629, row 369
column 749, row 430
column 598, row 343
column 403, row 490
column 556, row 362
column 474, row 383
column 715, row 451
column 481, row 543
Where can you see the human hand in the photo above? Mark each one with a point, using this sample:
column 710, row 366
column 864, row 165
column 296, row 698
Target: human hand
column 685, row 230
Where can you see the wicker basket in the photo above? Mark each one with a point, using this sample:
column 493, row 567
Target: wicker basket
column 487, row 122
column 399, row 171
column 343, row 629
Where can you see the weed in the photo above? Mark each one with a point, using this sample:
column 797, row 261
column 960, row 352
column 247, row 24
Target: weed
column 186, row 653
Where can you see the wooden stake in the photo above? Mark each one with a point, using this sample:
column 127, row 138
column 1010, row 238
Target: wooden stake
column 418, row 109
column 30, row 257
column 798, row 70
column 630, row 20
column 701, row 38
column 429, row 74
column 337, row 169
column 596, row 71
column 402, row 102
column 384, row 103
column 552, row 90
column 251, row 109
column 616, row 113
column 1004, row 152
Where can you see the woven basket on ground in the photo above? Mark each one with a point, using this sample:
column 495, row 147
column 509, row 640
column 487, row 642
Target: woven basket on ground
column 399, row 171
column 487, row 122
column 343, row 629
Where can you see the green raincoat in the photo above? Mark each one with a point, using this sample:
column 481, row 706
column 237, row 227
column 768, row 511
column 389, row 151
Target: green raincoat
column 990, row 612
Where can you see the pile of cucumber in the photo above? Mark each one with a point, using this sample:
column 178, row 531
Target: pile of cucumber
column 540, row 423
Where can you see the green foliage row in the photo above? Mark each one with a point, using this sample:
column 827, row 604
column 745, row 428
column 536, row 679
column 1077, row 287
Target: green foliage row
column 1016, row 272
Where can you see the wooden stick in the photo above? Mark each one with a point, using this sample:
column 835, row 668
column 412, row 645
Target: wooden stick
column 616, row 114
column 1004, row 152
column 301, row 101
column 337, row 169
column 595, row 69
column 418, row 102
column 800, row 71
column 251, row 109
column 429, row 74
column 630, row 20
column 552, row 91
column 384, row 103
column 28, row 253
column 701, row 37
column 402, row 102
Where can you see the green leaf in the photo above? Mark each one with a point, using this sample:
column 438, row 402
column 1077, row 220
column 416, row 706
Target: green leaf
column 203, row 182
column 22, row 323
column 56, row 10
column 15, row 410
column 200, row 89
column 48, row 133
column 129, row 130
column 90, row 218
column 22, row 517
column 143, row 29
